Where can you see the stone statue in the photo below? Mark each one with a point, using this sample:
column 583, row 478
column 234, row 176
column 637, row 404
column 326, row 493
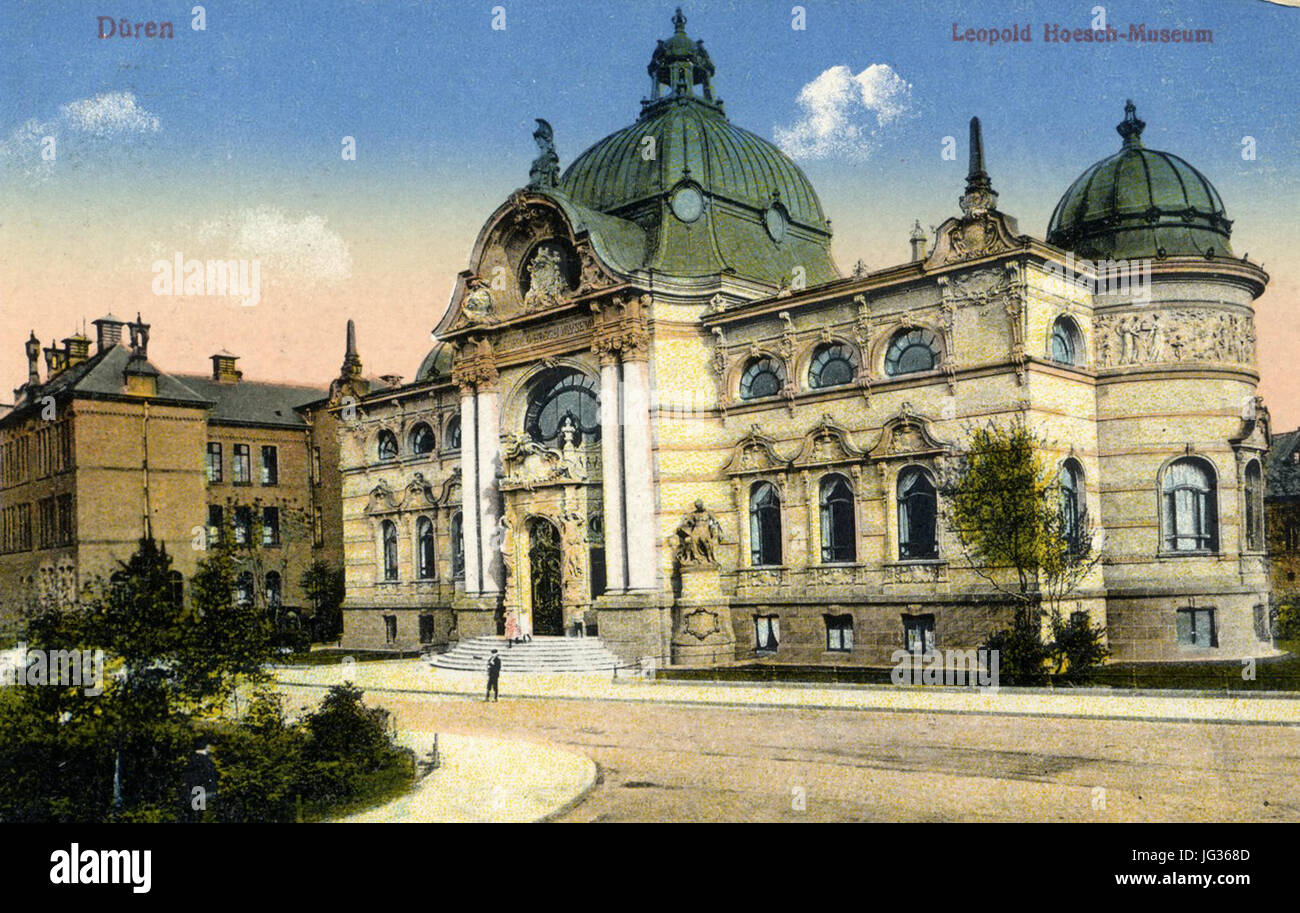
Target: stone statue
column 478, row 303
column 545, row 170
column 546, row 281
column 698, row 536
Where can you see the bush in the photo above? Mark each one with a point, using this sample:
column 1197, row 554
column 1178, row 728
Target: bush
column 1022, row 655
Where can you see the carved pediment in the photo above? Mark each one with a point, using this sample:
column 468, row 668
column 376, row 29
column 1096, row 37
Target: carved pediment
column 755, row 453
column 450, row 496
column 382, row 499
column 827, row 444
column 980, row 234
column 419, row 493
column 529, row 464
column 907, row 436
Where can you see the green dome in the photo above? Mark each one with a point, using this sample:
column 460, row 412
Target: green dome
column 711, row 197
column 436, row 365
column 695, row 142
column 1141, row 203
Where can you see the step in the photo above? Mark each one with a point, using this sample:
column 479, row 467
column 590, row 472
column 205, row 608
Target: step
column 541, row 655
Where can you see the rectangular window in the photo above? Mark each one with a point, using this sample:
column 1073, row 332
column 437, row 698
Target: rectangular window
column 1196, row 628
column 270, row 526
column 241, row 470
column 767, row 633
column 67, row 521
column 270, row 466
column 243, row 525
column 839, row 633
column 315, row 465
column 318, row 527
column 216, row 520
column 390, row 629
column 918, row 633
column 214, row 461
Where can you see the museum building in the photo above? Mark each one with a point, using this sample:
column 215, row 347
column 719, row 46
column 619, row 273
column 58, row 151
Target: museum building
column 658, row 413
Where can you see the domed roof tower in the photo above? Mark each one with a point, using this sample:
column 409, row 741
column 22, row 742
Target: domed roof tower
column 712, row 196
column 1141, row 203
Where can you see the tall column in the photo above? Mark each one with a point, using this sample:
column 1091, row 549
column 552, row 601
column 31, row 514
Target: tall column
column 611, row 458
column 488, row 448
column 638, row 476
column 469, row 488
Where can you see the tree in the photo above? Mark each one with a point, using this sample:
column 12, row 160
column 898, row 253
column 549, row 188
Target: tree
column 1004, row 500
column 324, row 585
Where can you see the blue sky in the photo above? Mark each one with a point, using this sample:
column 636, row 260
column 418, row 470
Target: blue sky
column 252, row 111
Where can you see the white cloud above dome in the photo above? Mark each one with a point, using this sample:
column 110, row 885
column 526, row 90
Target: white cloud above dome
column 843, row 113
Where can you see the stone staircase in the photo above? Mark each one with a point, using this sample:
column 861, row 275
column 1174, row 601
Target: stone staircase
column 541, row 655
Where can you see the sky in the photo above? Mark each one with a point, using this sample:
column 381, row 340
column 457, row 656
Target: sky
column 229, row 141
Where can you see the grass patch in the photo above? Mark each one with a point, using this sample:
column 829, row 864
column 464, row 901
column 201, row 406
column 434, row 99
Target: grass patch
column 333, row 656
column 373, row 790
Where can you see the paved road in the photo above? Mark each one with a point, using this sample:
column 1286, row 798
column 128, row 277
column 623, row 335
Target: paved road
column 699, row 763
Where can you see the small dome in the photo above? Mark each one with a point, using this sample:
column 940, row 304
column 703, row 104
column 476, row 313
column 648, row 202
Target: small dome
column 436, row 365
column 1141, row 203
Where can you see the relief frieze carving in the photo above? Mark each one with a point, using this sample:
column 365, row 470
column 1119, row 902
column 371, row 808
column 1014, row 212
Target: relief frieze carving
column 1174, row 337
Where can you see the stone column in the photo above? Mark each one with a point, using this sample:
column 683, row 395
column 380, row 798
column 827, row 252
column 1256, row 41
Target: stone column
column 488, row 447
column 611, row 458
column 638, row 475
column 469, row 488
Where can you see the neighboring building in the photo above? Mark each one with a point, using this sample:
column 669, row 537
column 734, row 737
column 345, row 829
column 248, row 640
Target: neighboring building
column 1282, row 515
column 640, row 334
column 108, row 448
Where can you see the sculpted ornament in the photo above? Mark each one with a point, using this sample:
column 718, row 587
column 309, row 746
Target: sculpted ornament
column 1174, row 337
column 547, row 284
column 478, row 302
column 698, row 536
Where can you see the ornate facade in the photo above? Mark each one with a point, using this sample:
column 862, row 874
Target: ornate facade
column 658, row 414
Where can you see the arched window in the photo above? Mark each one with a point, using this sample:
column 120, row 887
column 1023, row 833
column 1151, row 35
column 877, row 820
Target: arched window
column 457, row 546
column 1254, row 496
column 451, row 436
column 763, row 376
column 1072, row 503
column 837, row 520
column 274, row 589
column 911, row 351
column 1067, row 342
column 244, row 587
column 560, row 399
column 1191, row 513
column 764, row 525
column 424, row 548
column 833, row 364
column 917, row 510
column 387, row 445
column 389, row 530
column 422, row 439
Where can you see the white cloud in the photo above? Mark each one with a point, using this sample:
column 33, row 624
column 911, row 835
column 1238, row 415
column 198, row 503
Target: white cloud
column 843, row 113
column 109, row 114
column 303, row 249
column 92, row 121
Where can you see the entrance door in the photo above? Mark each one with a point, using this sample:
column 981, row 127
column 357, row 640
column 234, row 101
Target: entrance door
column 544, row 560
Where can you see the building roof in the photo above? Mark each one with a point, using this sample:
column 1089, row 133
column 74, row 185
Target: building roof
column 103, row 375
column 1141, row 203
column 251, row 402
column 748, row 189
column 1284, row 466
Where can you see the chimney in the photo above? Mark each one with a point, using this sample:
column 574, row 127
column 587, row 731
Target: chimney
column 223, row 368
column 76, row 348
column 33, row 347
column 917, row 240
column 108, row 332
column 55, row 361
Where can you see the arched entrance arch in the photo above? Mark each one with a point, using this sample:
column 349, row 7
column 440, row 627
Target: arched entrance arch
column 545, row 573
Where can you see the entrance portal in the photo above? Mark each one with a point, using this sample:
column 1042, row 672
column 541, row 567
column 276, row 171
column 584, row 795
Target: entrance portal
column 547, row 590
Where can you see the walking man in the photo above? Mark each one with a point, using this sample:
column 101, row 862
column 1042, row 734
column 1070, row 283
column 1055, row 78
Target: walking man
column 494, row 677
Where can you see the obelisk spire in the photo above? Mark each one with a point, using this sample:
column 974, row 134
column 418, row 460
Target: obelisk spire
column 980, row 196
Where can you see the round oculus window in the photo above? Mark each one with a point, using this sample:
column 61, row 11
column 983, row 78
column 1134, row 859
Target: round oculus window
column 774, row 219
column 688, row 203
